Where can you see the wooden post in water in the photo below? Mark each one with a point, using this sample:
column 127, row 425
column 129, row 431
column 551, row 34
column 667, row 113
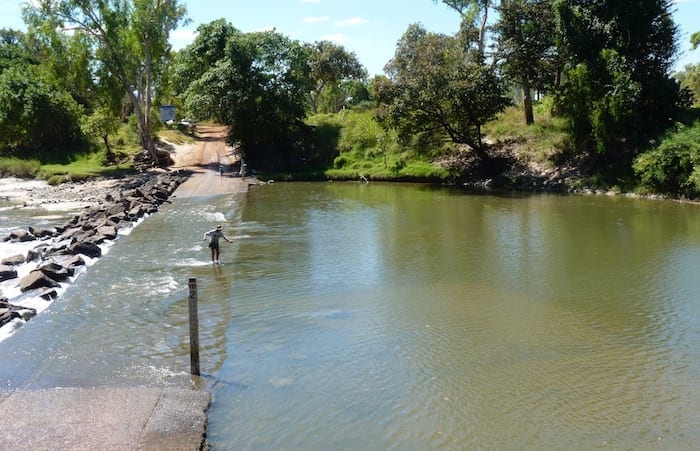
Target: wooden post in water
column 194, row 328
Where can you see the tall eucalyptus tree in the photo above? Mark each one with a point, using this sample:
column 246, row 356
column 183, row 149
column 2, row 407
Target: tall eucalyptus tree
column 129, row 40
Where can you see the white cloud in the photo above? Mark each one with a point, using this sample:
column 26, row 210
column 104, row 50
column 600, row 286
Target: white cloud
column 353, row 21
column 315, row 19
column 337, row 37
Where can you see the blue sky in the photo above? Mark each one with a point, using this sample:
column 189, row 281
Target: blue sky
column 370, row 28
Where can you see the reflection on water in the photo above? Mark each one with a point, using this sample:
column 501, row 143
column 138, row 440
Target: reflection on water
column 358, row 316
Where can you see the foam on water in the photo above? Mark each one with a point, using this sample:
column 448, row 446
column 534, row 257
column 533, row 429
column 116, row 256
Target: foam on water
column 192, row 262
column 214, row 216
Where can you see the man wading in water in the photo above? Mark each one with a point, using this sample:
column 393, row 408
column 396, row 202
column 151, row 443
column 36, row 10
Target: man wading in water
column 214, row 236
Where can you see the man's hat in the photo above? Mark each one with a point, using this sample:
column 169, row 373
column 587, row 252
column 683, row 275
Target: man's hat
column 218, row 227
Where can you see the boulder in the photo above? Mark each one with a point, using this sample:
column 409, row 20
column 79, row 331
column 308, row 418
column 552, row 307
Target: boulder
column 75, row 260
column 137, row 211
column 9, row 312
column 56, row 272
column 7, row 273
column 36, row 279
column 13, row 261
column 49, row 294
column 7, row 315
column 41, row 233
column 115, row 210
column 109, row 232
column 21, row 235
column 87, row 248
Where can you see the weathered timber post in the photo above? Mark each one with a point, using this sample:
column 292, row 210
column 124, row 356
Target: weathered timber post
column 194, row 328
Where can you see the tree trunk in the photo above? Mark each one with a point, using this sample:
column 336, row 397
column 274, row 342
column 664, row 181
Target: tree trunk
column 110, row 155
column 144, row 129
column 527, row 103
column 148, row 63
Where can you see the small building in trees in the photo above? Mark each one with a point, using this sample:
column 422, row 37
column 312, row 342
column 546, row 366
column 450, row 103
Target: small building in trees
column 167, row 113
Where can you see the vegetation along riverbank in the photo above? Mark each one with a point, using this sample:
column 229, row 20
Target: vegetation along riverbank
column 548, row 96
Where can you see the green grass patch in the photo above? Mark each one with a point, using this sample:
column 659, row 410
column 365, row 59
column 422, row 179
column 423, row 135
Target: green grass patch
column 175, row 136
column 544, row 141
column 15, row 167
column 82, row 167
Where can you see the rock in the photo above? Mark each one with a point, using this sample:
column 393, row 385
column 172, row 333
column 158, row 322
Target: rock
column 49, row 294
column 21, row 235
column 41, row 233
column 75, row 260
column 109, row 232
column 36, row 279
column 115, row 210
column 87, row 248
column 7, row 273
column 9, row 312
column 137, row 212
column 14, row 260
column 7, row 315
column 56, row 272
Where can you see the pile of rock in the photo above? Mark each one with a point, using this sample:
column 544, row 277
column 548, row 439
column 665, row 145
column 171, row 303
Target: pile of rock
column 60, row 250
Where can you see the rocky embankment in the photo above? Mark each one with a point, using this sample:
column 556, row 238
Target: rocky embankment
column 60, row 250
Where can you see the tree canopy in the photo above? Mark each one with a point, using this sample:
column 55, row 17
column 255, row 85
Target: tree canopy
column 441, row 88
column 257, row 86
column 618, row 91
column 330, row 65
column 37, row 112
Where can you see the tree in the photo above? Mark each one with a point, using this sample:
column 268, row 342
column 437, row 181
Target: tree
column 689, row 78
column 102, row 123
column 258, row 88
column 130, row 41
column 13, row 49
column 618, row 55
column 208, row 49
column 331, row 64
column 35, row 113
column 440, row 86
column 475, row 13
column 526, row 47
column 695, row 40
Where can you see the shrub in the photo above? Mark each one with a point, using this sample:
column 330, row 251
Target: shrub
column 673, row 167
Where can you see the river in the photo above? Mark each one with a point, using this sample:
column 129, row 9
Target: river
column 373, row 316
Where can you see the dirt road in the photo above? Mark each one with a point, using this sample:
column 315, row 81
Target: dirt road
column 206, row 158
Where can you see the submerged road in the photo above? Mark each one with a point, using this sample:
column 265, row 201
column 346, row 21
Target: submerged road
column 119, row 418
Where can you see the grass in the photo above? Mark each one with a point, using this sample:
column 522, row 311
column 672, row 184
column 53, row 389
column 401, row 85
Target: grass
column 15, row 167
column 175, row 136
column 542, row 142
column 82, row 167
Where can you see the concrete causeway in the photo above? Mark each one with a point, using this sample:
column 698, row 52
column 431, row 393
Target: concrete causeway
column 104, row 418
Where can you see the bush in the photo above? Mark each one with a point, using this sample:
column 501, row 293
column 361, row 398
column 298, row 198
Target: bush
column 673, row 167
